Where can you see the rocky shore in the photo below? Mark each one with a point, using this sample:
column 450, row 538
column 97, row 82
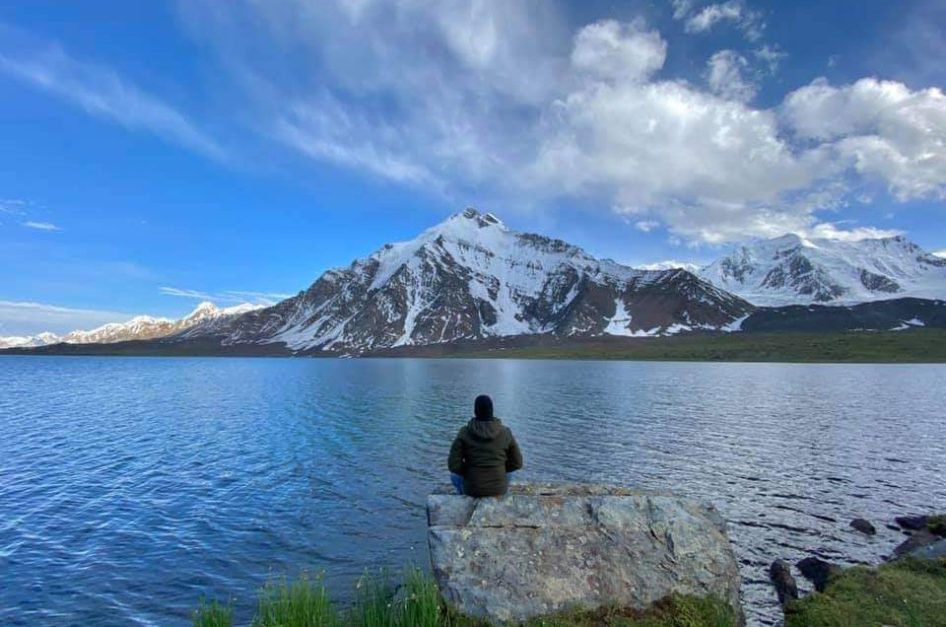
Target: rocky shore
column 908, row 587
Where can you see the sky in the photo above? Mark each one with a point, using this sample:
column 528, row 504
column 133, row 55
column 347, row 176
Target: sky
column 158, row 154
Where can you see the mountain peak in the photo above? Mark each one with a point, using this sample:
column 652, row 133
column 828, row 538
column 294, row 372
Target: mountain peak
column 482, row 220
column 204, row 306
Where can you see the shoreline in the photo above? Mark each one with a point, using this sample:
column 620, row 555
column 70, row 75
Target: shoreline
column 916, row 346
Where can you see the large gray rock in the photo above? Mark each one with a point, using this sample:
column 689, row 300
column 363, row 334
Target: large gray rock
column 544, row 548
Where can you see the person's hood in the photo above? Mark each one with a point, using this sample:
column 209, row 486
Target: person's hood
column 485, row 429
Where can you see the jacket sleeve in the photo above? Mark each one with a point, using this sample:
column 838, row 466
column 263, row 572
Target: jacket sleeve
column 455, row 461
column 513, row 454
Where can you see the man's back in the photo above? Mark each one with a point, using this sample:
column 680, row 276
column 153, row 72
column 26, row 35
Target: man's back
column 482, row 453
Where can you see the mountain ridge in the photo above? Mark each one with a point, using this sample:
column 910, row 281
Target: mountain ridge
column 471, row 277
column 793, row 270
column 143, row 327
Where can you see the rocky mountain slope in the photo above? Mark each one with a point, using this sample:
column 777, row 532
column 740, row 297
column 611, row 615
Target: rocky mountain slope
column 791, row 270
column 471, row 277
column 204, row 319
column 899, row 314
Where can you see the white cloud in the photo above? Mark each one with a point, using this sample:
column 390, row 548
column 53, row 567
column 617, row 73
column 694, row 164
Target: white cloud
column 30, row 318
column 262, row 296
column 612, row 50
column 42, row 226
column 646, row 225
column 669, row 264
column 725, row 76
column 940, row 253
column 734, row 11
column 227, row 296
column 506, row 100
column 681, row 8
column 772, row 56
column 14, row 206
column 97, row 90
column 827, row 230
column 185, row 293
column 879, row 129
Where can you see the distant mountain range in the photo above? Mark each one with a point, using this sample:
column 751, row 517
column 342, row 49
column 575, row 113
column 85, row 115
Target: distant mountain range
column 791, row 270
column 471, row 278
column 204, row 318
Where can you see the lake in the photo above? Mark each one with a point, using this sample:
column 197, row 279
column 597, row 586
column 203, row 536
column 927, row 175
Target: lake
column 132, row 487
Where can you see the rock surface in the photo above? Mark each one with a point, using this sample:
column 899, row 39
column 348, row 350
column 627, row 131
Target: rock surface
column 544, row 548
column 864, row 526
column 933, row 551
column 913, row 523
column 781, row 575
column 915, row 542
column 818, row 571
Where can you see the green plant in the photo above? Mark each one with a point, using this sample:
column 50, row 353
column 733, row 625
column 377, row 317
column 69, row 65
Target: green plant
column 302, row 603
column 213, row 614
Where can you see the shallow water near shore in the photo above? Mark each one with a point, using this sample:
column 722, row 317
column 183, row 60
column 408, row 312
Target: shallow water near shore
column 131, row 487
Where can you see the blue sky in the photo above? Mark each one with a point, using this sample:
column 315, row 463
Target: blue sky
column 155, row 154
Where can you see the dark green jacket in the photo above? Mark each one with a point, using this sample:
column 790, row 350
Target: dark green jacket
column 482, row 453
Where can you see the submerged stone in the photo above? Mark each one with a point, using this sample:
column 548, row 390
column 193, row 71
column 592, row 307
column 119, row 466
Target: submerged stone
column 864, row 526
column 545, row 548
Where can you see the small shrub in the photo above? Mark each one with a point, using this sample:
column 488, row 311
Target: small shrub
column 213, row 614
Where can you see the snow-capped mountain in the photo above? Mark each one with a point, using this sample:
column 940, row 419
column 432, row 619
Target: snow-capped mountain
column 471, row 277
column 29, row 341
column 791, row 270
column 204, row 318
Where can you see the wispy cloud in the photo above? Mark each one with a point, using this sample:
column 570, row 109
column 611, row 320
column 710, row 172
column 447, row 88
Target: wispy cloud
column 29, row 318
column 734, row 11
column 261, row 295
column 98, row 90
column 41, row 226
column 174, row 291
column 227, row 296
column 14, row 206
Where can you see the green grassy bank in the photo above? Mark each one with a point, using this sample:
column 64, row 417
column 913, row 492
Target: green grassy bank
column 416, row 603
column 919, row 346
column 906, row 593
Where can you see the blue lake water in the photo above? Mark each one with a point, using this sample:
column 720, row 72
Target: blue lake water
column 130, row 488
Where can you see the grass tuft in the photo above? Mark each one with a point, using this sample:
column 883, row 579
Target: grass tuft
column 304, row 602
column 213, row 614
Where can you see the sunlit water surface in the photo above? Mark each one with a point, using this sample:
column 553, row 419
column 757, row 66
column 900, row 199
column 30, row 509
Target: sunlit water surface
column 130, row 488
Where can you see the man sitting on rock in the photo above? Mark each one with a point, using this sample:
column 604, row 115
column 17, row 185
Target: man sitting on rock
column 483, row 454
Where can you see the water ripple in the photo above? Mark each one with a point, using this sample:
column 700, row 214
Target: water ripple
column 133, row 487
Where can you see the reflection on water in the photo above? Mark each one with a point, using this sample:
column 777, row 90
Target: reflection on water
column 132, row 487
